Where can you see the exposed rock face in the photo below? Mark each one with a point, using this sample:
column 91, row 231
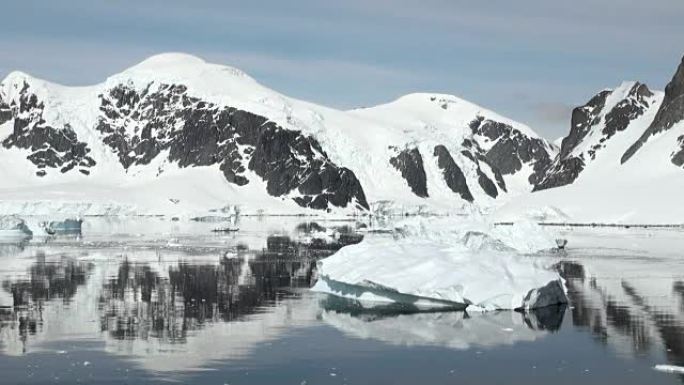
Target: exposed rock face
column 51, row 147
column 512, row 148
column 163, row 114
column 671, row 112
column 583, row 119
column 627, row 110
column 576, row 152
column 410, row 163
column 678, row 156
column 453, row 176
column 562, row 173
column 139, row 126
column 487, row 184
column 497, row 174
column 5, row 111
column 482, row 179
column 475, row 154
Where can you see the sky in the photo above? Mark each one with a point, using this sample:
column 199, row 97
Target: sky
column 530, row 60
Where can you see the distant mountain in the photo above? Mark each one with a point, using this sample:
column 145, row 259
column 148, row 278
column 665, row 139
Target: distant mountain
column 670, row 113
column 599, row 128
column 177, row 135
column 620, row 163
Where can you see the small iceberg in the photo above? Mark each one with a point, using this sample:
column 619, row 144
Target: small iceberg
column 670, row 369
column 451, row 270
column 67, row 226
column 13, row 229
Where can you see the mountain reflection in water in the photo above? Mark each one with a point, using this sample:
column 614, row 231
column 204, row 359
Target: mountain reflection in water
column 171, row 310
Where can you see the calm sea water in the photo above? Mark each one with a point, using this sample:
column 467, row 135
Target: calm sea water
column 155, row 301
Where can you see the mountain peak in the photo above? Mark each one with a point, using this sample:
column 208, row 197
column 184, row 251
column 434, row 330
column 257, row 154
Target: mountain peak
column 180, row 68
column 671, row 111
column 169, row 60
column 17, row 79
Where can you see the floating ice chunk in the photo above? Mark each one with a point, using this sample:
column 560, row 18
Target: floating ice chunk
column 430, row 274
column 67, row 226
column 669, row 369
column 524, row 236
column 13, row 228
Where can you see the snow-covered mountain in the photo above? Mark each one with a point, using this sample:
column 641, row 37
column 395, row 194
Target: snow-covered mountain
column 620, row 163
column 598, row 129
column 175, row 134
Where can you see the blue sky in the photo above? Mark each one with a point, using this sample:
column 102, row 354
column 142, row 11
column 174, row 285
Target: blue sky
column 532, row 60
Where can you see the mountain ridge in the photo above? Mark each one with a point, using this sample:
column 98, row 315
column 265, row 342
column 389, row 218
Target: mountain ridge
column 175, row 118
column 177, row 111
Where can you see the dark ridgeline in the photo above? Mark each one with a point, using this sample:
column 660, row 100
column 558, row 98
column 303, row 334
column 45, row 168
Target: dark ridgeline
column 594, row 122
column 51, row 147
column 512, row 149
column 199, row 133
column 671, row 111
column 586, row 119
column 139, row 125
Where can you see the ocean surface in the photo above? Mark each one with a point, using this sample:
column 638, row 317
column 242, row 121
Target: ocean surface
column 155, row 301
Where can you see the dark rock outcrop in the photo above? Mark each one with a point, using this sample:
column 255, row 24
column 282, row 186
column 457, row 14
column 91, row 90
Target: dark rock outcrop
column 410, row 163
column 497, row 174
column 569, row 164
column 678, row 156
column 140, row 125
column 627, row 110
column 583, row 119
column 512, row 148
column 486, row 184
column 565, row 169
column 51, row 147
column 5, row 112
column 561, row 174
column 453, row 176
column 671, row 111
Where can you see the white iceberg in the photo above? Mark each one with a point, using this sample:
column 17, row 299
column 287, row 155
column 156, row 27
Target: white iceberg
column 457, row 267
column 522, row 236
column 669, row 369
column 13, row 229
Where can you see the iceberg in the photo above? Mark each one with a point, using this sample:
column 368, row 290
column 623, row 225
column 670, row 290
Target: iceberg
column 521, row 236
column 67, row 226
column 14, row 229
column 478, row 271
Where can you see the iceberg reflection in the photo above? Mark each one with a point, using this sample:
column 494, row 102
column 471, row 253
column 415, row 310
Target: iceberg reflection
column 396, row 325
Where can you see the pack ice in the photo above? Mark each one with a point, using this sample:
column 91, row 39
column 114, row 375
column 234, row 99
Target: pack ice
column 447, row 263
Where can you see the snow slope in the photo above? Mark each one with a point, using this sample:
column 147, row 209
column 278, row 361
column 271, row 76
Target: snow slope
column 593, row 181
column 140, row 142
column 647, row 192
